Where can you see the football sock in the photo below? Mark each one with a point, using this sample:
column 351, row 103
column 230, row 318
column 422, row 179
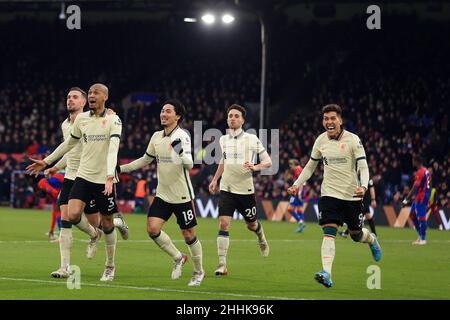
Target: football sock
column 295, row 215
column 86, row 227
column 301, row 216
column 423, row 229
column 65, row 243
column 58, row 222
column 328, row 248
column 260, row 232
column 371, row 223
column 223, row 242
column 166, row 244
column 364, row 236
column 110, row 245
column 52, row 226
column 195, row 248
column 416, row 223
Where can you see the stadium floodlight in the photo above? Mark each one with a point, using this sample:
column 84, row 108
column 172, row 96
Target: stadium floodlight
column 208, row 18
column 62, row 14
column 227, row 18
column 190, row 20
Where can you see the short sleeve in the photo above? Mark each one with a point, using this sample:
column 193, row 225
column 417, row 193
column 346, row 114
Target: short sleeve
column 116, row 126
column 316, row 155
column 151, row 151
column 186, row 143
column 358, row 149
column 76, row 132
column 258, row 146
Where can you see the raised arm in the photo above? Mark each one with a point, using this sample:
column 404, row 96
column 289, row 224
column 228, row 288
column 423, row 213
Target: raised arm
column 146, row 159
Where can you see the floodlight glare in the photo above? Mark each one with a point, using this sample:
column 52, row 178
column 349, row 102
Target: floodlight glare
column 190, row 20
column 62, row 14
column 227, row 18
column 208, row 18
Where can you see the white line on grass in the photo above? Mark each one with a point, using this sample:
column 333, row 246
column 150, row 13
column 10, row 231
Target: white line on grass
column 156, row 289
column 210, row 240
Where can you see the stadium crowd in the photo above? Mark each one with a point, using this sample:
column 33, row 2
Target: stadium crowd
column 396, row 102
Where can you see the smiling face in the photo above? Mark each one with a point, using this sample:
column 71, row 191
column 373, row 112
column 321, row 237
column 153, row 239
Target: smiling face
column 97, row 96
column 168, row 116
column 75, row 101
column 332, row 123
column 235, row 119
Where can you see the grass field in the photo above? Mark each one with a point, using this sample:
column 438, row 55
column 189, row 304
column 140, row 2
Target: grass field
column 143, row 270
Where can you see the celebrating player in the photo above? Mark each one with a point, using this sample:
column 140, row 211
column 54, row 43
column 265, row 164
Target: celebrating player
column 76, row 100
column 295, row 207
column 100, row 136
column 421, row 192
column 171, row 148
column 236, row 186
column 343, row 156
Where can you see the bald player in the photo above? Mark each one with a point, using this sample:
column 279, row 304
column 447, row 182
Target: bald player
column 343, row 156
column 100, row 135
column 171, row 148
column 76, row 100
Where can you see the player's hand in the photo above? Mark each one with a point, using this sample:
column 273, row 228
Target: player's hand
column 36, row 167
column 292, row 190
column 110, row 112
column 176, row 145
column 359, row 192
column 50, row 172
column 249, row 166
column 404, row 203
column 108, row 186
column 373, row 204
column 212, row 187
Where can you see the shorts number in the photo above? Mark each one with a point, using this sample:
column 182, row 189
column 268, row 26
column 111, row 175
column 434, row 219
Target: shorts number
column 361, row 220
column 188, row 216
column 250, row 213
column 111, row 203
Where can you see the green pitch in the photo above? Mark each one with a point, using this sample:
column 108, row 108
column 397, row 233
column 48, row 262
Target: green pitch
column 143, row 270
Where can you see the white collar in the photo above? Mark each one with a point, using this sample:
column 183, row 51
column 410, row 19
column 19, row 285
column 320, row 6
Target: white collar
column 236, row 134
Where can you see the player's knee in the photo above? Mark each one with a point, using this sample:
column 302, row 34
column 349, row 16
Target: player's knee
column 188, row 234
column 252, row 226
column 74, row 217
column 153, row 231
column 224, row 225
column 356, row 235
column 107, row 224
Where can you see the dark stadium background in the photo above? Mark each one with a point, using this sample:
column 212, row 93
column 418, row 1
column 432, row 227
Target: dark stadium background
column 393, row 83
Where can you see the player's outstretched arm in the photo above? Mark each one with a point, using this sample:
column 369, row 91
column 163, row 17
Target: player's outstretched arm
column 63, row 148
column 146, row 159
column 307, row 172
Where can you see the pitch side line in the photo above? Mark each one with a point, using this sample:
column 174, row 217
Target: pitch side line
column 156, row 289
column 211, row 240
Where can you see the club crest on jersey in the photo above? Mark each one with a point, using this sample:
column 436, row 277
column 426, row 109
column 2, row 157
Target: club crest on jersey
column 104, row 123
